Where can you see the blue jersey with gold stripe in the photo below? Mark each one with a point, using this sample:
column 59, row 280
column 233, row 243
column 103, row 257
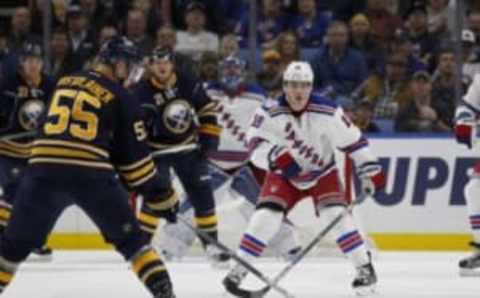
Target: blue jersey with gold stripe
column 22, row 107
column 92, row 128
column 172, row 110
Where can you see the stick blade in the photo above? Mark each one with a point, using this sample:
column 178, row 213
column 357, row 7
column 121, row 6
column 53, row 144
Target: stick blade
column 236, row 291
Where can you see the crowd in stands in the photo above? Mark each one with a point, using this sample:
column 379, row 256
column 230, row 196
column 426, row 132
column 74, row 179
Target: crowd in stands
column 391, row 64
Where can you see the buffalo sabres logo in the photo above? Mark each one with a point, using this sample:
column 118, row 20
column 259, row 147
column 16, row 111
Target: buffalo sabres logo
column 29, row 114
column 177, row 116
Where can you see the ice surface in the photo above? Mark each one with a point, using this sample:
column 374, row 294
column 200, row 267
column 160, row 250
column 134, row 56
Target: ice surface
column 102, row 274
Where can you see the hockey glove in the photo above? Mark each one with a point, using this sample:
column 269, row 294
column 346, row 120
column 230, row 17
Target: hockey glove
column 164, row 205
column 150, row 116
column 465, row 126
column 371, row 177
column 281, row 160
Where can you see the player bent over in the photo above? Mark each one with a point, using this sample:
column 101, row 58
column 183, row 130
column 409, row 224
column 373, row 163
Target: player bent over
column 466, row 132
column 92, row 130
column 294, row 140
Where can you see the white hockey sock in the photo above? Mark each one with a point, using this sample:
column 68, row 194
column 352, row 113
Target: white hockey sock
column 472, row 196
column 348, row 238
column 285, row 241
column 262, row 227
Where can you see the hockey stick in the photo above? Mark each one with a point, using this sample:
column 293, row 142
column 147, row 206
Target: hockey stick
column 261, row 292
column 247, row 294
column 175, row 149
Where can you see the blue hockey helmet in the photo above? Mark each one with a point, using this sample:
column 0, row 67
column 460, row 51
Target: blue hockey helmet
column 232, row 72
column 116, row 49
column 31, row 49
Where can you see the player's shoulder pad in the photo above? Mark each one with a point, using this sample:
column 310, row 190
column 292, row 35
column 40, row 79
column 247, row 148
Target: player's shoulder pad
column 322, row 105
column 255, row 91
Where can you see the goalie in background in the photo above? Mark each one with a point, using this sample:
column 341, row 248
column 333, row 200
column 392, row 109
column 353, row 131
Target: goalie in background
column 23, row 97
column 180, row 120
column 294, row 140
column 235, row 180
column 466, row 132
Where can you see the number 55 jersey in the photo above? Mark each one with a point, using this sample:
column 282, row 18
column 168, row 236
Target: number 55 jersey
column 92, row 129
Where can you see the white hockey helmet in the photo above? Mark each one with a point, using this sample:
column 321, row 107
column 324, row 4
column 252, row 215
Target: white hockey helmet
column 298, row 71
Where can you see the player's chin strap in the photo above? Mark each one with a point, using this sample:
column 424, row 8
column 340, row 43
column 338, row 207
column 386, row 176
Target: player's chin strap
column 240, row 292
column 263, row 291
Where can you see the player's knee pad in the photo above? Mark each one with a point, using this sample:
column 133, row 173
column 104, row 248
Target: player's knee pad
column 245, row 184
column 330, row 212
column 131, row 243
column 264, row 224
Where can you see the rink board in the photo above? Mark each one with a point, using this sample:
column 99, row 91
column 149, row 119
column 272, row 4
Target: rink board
column 423, row 207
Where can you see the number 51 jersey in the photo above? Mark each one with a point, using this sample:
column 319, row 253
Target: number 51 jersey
column 93, row 127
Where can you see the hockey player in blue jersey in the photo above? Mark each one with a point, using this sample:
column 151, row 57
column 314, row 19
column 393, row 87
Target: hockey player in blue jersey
column 180, row 115
column 93, row 132
column 23, row 98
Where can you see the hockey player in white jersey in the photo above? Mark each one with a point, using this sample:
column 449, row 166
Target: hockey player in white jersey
column 236, row 102
column 294, row 140
column 466, row 132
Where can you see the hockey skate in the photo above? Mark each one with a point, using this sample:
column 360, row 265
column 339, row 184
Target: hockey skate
column 233, row 279
column 216, row 257
column 365, row 281
column 470, row 266
column 41, row 254
column 165, row 289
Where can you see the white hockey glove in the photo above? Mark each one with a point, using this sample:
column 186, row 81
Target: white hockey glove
column 371, row 177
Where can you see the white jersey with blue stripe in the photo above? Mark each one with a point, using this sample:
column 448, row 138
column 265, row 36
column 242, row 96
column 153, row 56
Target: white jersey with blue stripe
column 234, row 115
column 312, row 137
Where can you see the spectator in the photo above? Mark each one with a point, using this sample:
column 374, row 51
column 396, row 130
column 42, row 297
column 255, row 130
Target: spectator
column 390, row 91
column 270, row 77
column 288, row 47
column 384, row 23
column 136, row 31
column 106, row 32
column 152, row 12
column 420, row 115
column 209, row 67
column 229, row 46
column 424, row 44
column 443, row 86
column 271, row 21
column 82, row 42
column 20, row 30
column 363, row 117
column 362, row 40
column 196, row 40
column 338, row 68
column 310, row 24
column 403, row 45
column 166, row 37
column 59, row 49
column 473, row 21
column 470, row 58
column 440, row 18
